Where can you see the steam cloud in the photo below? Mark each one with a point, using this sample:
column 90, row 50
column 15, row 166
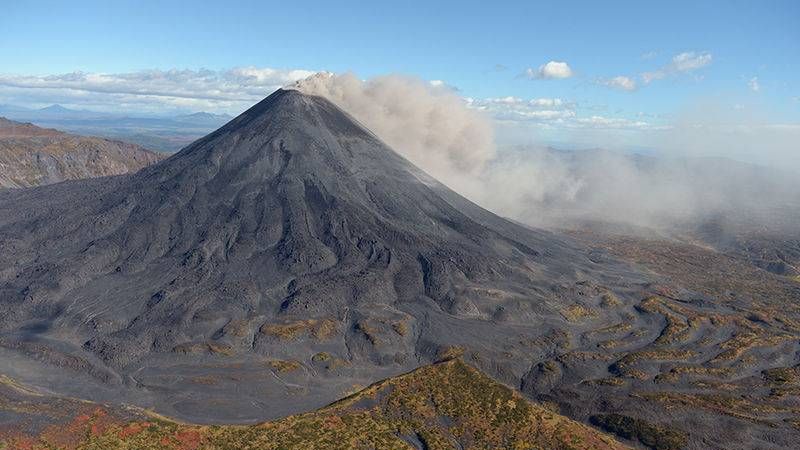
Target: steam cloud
column 437, row 130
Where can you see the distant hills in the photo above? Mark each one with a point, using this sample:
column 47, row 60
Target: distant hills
column 165, row 134
column 33, row 156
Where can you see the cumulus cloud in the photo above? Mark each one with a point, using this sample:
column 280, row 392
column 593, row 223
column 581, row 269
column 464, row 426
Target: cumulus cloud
column 681, row 63
column 621, row 82
column 552, row 70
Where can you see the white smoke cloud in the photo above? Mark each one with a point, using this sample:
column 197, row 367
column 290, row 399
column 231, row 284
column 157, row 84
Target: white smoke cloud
column 452, row 139
column 429, row 124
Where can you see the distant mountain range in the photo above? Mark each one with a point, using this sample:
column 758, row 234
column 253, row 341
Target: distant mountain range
column 33, row 156
column 166, row 134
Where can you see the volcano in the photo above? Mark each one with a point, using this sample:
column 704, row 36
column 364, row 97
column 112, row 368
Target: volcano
column 275, row 264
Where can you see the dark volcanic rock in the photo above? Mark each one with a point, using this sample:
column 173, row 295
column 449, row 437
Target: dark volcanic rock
column 272, row 265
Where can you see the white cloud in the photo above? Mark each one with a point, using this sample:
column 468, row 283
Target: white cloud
column 621, row 82
column 753, row 84
column 233, row 90
column 649, row 77
column 519, row 109
column 547, row 102
column 516, row 101
column 614, row 123
column 504, row 100
column 550, row 71
column 681, row 63
column 689, row 61
column 230, row 90
column 554, row 113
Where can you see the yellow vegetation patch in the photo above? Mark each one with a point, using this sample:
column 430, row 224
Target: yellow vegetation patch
column 618, row 328
column 237, row 328
column 284, row 365
column 782, row 375
column 321, row 356
column 331, row 362
column 207, row 380
column 400, row 328
column 610, row 344
column 608, row 300
column 576, row 313
column 609, row 381
column 675, row 373
column 204, row 347
column 450, row 352
column 369, row 331
column 656, row 355
column 321, row 329
column 734, row 406
column 735, row 347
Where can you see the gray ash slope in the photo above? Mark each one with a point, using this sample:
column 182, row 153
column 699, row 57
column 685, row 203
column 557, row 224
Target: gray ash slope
column 290, row 234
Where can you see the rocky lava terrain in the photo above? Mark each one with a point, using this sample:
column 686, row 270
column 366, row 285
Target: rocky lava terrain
column 33, row 156
column 291, row 258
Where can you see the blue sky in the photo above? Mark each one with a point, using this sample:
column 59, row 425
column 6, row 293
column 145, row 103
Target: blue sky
column 737, row 55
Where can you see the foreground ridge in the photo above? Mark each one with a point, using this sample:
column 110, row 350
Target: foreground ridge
column 440, row 406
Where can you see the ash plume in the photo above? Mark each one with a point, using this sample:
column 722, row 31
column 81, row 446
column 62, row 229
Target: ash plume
column 690, row 181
